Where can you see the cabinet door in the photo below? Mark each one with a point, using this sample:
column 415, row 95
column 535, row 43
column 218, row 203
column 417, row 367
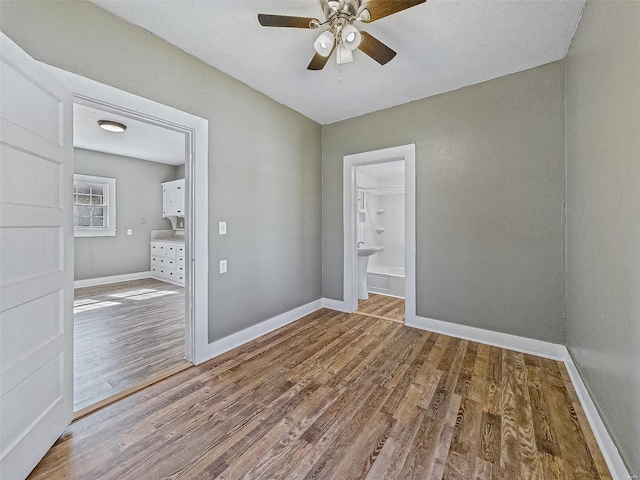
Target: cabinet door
column 173, row 198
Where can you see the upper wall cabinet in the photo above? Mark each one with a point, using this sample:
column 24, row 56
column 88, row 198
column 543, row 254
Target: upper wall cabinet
column 173, row 206
column 173, row 198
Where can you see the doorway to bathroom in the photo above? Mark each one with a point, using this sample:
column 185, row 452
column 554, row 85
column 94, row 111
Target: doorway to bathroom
column 379, row 233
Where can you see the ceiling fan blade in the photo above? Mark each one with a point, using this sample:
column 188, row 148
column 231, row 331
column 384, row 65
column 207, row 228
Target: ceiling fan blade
column 375, row 48
column 267, row 20
column 318, row 61
column 382, row 8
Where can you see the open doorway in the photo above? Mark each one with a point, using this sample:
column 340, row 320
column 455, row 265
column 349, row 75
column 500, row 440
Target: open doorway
column 129, row 253
column 379, row 233
column 141, row 298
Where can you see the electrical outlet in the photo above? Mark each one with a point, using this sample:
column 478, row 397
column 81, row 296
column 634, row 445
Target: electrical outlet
column 222, row 228
column 223, row 266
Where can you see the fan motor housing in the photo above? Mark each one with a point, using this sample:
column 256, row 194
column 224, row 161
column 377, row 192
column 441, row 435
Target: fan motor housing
column 344, row 8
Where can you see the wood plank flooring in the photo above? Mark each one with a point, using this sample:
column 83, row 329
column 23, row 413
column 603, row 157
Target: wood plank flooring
column 382, row 306
column 342, row 396
column 124, row 333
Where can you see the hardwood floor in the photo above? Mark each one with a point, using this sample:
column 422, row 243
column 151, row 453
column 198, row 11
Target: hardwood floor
column 340, row 396
column 125, row 333
column 382, row 306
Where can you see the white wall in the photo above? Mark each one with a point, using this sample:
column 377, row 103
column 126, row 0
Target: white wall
column 391, row 200
column 392, row 239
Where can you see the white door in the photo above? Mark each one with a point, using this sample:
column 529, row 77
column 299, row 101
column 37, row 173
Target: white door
column 36, row 261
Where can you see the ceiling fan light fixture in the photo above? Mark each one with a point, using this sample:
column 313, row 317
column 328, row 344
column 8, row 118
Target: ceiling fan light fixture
column 111, row 126
column 343, row 55
column 324, row 44
column 351, row 37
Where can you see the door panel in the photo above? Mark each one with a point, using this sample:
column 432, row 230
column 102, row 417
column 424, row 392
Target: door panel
column 36, row 261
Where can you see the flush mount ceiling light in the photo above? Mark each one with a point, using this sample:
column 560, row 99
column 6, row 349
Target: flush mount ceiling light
column 342, row 33
column 111, row 126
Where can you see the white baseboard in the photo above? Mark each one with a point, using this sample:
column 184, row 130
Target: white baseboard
column 90, row 282
column 539, row 348
column 243, row 336
column 610, row 452
column 338, row 305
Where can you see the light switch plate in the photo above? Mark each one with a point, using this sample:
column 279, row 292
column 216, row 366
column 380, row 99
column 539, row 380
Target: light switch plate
column 222, row 228
column 223, row 266
column 129, row 231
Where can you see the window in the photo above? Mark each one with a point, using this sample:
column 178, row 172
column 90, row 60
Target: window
column 94, row 206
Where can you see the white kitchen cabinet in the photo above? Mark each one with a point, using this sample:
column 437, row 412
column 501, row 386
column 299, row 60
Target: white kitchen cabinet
column 167, row 261
column 173, row 204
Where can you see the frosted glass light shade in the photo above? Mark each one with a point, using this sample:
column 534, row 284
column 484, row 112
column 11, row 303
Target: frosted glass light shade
column 351, row 37
column 324, row 44
column 344, row 55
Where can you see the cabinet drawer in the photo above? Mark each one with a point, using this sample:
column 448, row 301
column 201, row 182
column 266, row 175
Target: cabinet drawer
column 181, row 278
column 180, row 261
column 180, row 250
column 162, row 272
column 162, row 261
column 181, row 269
column 159, row 249
column 155, row 260
column 170, row 262
column 171, row 275
column 171, row 250
column 154, row 270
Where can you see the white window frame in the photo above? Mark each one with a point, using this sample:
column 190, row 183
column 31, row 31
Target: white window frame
column 109, row 204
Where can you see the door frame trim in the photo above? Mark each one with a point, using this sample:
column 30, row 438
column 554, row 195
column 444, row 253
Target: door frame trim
column 350, row 270
column 196, row 130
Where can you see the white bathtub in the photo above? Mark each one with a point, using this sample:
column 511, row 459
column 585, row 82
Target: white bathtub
column 386, row 280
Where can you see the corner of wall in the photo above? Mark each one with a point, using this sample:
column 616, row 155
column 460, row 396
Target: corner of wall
column 565, row 329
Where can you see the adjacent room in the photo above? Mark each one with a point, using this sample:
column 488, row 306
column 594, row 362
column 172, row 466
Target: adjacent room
column 129, row 254
column 381, row 239
column 397, row 239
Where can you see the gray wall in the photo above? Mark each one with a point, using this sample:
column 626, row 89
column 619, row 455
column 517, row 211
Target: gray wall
column 489, row 173
column 138, row 195
column 180, row 171
column 603, row 214
column 264, row 159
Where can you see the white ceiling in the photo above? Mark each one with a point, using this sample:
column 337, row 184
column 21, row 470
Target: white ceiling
column 442, row 45
column 384, row 174
column 140, row 140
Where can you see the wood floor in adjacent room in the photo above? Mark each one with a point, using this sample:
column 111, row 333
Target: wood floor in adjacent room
column 342, row 396
column 383, row 306
column 125, row 333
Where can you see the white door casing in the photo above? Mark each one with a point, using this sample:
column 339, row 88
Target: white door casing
column 196, row 130
column 349, row 189
column 36, row 261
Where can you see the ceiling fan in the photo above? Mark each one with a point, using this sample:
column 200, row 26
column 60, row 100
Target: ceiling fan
column 342, row 34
